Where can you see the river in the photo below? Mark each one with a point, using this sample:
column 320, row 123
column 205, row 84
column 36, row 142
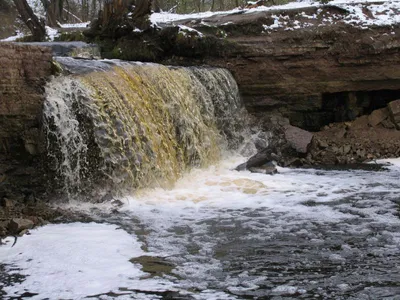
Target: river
column 223, row 234
column 186, row 224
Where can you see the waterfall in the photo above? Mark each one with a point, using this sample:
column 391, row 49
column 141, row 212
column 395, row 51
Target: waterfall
column 122, row 126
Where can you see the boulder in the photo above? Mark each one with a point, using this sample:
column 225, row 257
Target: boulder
column 378, row 116
column 262, row 158
column 17, row 225
column 268, row 168
column 360, row 122
column 299, row 139
column 394, row 109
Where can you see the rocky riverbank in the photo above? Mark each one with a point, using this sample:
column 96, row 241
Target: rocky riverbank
column 367, row 138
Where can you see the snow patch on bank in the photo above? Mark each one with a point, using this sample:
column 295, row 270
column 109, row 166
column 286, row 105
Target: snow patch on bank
column 360, row 13
column 13, row 38
column 73, row 261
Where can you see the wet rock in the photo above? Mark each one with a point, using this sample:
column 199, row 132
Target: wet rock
column 260, row 159
column 378, row 116
column 74, row 49
column 23, row 232
column 31, row 138
column 298, row 138
column 16, row 225
column 117, row 203
column 394, row 109
column 155, row 266
column 268, row 168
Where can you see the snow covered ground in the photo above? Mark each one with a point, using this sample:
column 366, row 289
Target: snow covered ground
column 360, row 13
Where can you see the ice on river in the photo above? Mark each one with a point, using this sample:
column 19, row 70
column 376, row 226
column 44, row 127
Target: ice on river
column 224, row 235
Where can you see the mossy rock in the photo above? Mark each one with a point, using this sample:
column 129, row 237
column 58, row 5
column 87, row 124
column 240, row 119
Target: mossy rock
column 71, row 37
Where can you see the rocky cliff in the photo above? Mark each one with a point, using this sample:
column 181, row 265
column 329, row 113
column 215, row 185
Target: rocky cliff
column 316, row 65
column 23, row 73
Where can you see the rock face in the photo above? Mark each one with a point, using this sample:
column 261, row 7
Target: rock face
column 394, row 109
column 365, row 139
column 23, row 73
column 299, row 63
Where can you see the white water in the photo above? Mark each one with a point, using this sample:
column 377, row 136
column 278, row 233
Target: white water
column 308, row 233
column 65, row 132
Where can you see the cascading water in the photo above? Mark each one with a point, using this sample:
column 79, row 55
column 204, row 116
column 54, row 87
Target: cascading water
column 218, row 233
column 124, row 125
column 63, row 129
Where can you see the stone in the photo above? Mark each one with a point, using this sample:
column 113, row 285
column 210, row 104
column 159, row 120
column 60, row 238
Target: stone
column 16, row 225
column 266, row 170
column 117, row 203
column 378, row 116
column 23, row 73
column 361, row 122
column 7, row 203
column 322, row 144
column 388, row 124
column 261, row 158
column 299, row 139
column 23, row 232
column 394, row 109
column 346, row 149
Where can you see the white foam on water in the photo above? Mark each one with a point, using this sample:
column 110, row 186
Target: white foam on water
column 72, row 261
column 210, row 209
column 220, row 187
column 293, row 202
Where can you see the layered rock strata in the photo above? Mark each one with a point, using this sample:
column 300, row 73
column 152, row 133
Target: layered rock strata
column 316, row 65
column 23, row 73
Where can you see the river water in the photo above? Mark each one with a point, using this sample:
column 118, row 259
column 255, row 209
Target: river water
column 222, row 234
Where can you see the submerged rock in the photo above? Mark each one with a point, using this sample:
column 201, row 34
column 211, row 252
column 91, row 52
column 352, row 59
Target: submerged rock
column 268, row 168
column 260, row 162
column 17, row 225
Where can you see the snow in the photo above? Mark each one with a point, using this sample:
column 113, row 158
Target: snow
column 361, row 14
column 381, row 13
column 51, row 33
column 74, row 259
column 14, row 37
column 75, row 25
column 184, row 29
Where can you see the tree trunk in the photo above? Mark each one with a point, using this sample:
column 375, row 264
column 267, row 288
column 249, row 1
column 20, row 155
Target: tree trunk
column 53, row 10
column 141, row 14
column 157, row 6
column 30, row 19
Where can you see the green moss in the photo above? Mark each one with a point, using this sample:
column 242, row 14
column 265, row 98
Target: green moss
column 137, row 48
column 56, row 68
column 71, row 36
column 26, row 39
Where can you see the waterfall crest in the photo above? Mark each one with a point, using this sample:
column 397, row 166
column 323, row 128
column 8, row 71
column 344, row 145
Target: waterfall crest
column 124, row 126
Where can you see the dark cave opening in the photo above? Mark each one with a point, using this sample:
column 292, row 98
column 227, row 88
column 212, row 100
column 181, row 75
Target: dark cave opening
column 347, row 106
column 344, row 107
